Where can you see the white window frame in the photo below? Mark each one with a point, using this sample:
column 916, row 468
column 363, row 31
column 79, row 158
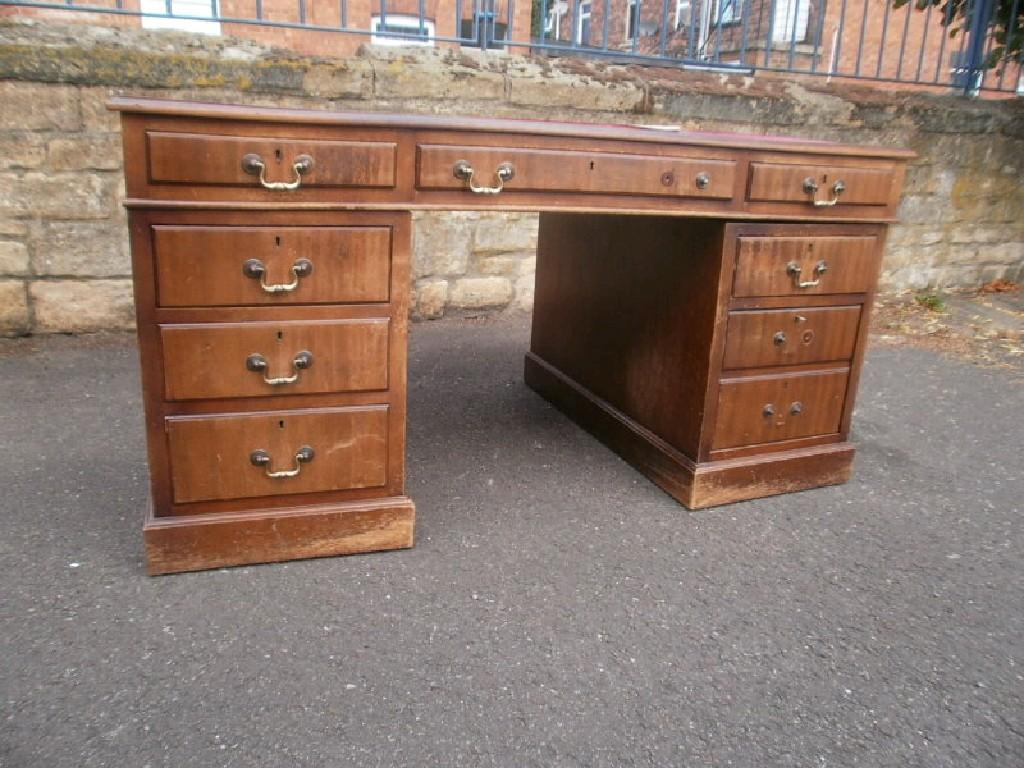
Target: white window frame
column 630, row 5
column 791, row 19
column 681, row 7
column 735, row 11
column 412, row 23
column 160, row 19
column 579, row 20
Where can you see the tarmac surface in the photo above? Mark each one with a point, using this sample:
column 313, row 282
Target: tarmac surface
column 557, row 610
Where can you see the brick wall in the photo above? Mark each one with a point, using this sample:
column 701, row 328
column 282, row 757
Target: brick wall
column 63, row 249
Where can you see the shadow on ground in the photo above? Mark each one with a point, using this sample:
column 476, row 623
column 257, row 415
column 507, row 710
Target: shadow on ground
column 558, row 609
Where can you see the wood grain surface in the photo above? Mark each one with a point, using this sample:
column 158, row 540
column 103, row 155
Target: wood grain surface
column 206, row 361
column 202, row 265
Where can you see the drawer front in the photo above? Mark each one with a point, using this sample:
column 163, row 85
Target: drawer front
column 794, row 266
column 212, row 457
column 190, row 158
column 765, row 409
column 790, row 336
column 542, row 170
column 236, row 266
column 239, row 359
column 784, row 183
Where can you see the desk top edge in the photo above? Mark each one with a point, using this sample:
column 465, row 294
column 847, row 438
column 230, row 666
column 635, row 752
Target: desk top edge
column 172, row 108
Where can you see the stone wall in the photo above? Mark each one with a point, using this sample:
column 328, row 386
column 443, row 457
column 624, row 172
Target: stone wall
column 63, row 251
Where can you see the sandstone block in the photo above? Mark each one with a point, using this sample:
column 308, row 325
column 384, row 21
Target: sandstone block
column 956, row 276
column 80, row 248
column 82, row 305
column 349, row 79
column 13, row 308
column 60, row 196
column 13, row 228
column 96, row 118
column 441, row 243
column 1003, row 253
column 39, row 107
column 411, row 75
column 968, row 233
column 481, row 292
column 524, row 292
column 86, row 151
column 930, row 237
column 507, row 264
column 898, row 258
column 505, row 234
column 21, row 149
column 991, row 272
column 431, row 297
column 917, row 209
column 915, row 234
column 913, row 278
column 13, row 258
column 537, row 88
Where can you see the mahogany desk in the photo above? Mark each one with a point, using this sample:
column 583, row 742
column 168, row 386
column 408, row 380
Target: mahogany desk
column 702, row 305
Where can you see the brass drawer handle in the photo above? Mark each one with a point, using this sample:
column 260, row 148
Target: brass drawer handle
column 464, row 171
column 811, row 188
column 261, row 458
column 258, row 363
column 779, row 338
column 255, row 268
column 253, row 164
column 794, row 269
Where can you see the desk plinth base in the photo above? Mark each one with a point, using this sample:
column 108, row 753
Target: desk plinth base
column 199, row 542
column 696, row 485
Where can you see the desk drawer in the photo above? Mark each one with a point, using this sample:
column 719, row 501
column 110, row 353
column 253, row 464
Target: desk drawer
column 793, row 266
column 236, row 359
column 212, row 457
column 236, row 266
column 543, row 170
column 785, row 183
column 764, row 409
column 757, row 338
column 196, row 158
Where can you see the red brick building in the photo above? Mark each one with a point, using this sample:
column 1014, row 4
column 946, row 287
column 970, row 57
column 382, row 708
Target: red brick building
column 858, row 40
column 867, row 39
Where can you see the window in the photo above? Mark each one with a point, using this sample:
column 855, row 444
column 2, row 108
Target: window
column 417, row 33
column 631, row 25
column 206, row 9
column 790, row 21
column 583, row 25
column 729, row 11
column 553, row 22
column 682, row 13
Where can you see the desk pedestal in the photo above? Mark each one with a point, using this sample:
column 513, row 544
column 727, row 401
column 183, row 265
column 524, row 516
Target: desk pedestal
column 634, row 338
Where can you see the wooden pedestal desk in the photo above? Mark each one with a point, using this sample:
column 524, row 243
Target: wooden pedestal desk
column 702, row 306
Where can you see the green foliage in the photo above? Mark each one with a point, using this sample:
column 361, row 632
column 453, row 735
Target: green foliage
column 931, row 301
column 536, row 22
column 1007, row 29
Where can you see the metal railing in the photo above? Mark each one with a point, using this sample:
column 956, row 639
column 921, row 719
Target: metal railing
column 970, row 46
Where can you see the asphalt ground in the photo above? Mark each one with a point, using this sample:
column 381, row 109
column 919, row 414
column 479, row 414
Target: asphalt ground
column 557, row 610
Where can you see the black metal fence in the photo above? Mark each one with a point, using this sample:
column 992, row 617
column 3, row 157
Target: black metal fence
column 969, row 46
